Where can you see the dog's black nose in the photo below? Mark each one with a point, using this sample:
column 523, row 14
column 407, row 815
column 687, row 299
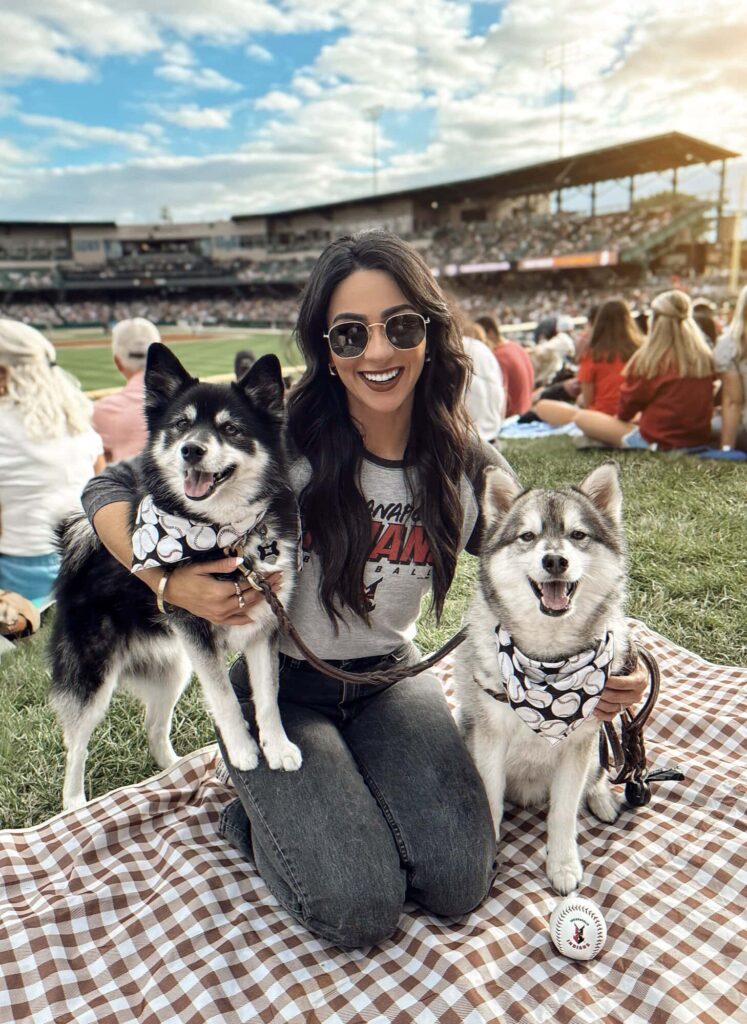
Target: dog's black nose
column 554, row 564
column 192, row 452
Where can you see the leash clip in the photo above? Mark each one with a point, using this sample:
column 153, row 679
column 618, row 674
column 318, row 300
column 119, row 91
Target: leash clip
column 250, row 575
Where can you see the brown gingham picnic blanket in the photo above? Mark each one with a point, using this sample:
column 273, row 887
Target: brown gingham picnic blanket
column 133, row 909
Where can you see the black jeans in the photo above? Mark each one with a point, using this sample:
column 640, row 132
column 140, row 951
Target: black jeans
column 387, row 806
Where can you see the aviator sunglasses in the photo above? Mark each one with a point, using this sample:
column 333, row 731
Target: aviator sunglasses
column 349, row 339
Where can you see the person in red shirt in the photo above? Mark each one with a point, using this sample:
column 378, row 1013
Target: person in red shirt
column 666, row 400
column 516, row 367
column 614, row 339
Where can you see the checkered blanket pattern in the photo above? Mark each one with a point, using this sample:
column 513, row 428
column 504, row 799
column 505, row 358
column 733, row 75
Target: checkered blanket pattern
column 133, row 909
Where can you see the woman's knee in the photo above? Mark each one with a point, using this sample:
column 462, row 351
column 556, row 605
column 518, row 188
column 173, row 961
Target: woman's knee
column 350, row 902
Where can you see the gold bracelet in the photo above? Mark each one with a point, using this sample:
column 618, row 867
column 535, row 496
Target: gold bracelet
column 163, row 608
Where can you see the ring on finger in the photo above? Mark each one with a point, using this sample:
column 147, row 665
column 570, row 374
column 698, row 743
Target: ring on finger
column 239, row 594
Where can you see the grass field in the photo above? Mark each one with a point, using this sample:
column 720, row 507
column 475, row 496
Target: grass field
column 686, row 523
column 93, row 365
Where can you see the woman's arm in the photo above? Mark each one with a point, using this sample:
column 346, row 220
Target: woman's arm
column 635, row 394
column 732, row 404
column 586, row 397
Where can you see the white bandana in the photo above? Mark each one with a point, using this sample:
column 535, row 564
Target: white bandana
column 161, row 539
column 553, row 697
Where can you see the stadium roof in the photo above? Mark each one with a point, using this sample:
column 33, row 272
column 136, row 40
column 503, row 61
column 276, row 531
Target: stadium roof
column 657, row 153
column 57, row 224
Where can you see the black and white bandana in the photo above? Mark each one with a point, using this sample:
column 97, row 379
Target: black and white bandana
column 553, row 697
column 161, row 540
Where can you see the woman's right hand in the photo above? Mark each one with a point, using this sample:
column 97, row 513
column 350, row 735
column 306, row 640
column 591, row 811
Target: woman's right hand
column 194, row 588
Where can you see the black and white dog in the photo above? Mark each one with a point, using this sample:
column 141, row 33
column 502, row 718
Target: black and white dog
column 546, row 628
column 212, row 482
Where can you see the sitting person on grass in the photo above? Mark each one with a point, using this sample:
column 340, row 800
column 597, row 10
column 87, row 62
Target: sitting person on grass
column 614, row 339
column 666, row 400
column 731, row 363
column 48, row 452
column 120, row 418
column 516, row 367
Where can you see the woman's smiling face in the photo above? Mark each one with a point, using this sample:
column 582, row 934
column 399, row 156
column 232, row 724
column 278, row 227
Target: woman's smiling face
column 382, row 379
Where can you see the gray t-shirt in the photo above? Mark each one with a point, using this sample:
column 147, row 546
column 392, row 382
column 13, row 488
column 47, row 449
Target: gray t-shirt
column 727, row 358
column 397, row 575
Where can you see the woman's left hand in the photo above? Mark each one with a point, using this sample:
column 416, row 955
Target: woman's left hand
column 622, row 692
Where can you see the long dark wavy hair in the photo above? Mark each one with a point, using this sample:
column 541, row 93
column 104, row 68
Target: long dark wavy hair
column 335, row 514
column 615, row 333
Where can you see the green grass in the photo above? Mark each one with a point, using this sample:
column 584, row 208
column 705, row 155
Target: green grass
column 94, row 368
column 686, row 523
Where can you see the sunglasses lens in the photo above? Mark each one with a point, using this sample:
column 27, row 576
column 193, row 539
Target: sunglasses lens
column 348, row 340
column 405, row 330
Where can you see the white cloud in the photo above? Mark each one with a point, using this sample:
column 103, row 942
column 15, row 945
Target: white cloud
column 258, row 52
column 74, row 135
column 192, row 116
column 31, row 49
column 197, row 78
column 11, row 154
column 276, row 100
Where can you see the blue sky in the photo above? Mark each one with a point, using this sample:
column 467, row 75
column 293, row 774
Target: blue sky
column 112, row 112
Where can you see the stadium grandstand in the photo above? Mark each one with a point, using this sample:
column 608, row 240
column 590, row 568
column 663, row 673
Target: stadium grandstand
column 498, row 240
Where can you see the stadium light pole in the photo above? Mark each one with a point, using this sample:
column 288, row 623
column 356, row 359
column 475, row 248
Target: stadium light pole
column 556, row 58
column 373, row 114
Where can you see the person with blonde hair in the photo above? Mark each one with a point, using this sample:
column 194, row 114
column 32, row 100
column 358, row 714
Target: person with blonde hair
column 666, row 400
column 48, row 452
column 730, row 355
column 614, row 340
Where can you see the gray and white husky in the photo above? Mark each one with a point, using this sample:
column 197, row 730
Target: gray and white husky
column 545, row 628
column 212, row 482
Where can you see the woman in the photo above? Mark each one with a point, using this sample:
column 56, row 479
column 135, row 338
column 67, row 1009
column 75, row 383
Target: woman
column 614, row 339
column 47, row 454
column 730, row 355
column 666, row 400
column 387, row 805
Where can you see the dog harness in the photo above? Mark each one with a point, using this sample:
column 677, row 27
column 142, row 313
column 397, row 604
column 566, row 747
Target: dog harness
column 161, row 540
column 552, row 697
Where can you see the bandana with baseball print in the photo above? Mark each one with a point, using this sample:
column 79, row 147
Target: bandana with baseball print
column 162, row 540
column 553, row 697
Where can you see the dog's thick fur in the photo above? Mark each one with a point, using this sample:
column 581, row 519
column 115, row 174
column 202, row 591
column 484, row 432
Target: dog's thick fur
column 583, row 527
column 107, row 627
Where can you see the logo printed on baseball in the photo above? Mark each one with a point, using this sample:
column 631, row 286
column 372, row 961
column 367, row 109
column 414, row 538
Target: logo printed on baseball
column 577, row 928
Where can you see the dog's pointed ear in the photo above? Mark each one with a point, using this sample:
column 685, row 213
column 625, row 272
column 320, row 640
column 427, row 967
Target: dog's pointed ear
column 165, row 377
column 501, row 490
column 602, row 488
column 263, row 385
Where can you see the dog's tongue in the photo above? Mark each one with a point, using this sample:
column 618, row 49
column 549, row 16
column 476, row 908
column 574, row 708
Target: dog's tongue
column 197, row 484
column 554, row 596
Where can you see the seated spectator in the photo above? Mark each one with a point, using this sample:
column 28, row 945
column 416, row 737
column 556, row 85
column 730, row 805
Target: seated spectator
column 614, row 340
column 707, row 325
column 486, row 397
column 730, row 355
column 48, row 451
column 120, row 418
column 666, row 400
column 550, row 357
column 243, row 361
column 516, row 367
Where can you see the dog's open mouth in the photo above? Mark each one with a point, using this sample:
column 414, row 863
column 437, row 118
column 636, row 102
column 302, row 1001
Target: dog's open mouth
column 554, row 595
column 199, row 485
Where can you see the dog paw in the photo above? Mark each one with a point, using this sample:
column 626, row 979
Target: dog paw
column 604, row 804
column 283, row 757
column 245, row 757
column 564, row 874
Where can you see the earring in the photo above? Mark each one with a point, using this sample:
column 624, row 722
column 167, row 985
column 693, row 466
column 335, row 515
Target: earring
column 332, row 371
column 427, row 356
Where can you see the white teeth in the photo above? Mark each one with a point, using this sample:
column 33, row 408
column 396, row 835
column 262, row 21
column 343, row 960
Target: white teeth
column 381, row 378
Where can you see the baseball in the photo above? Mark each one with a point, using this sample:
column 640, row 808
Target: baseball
column 577, row 928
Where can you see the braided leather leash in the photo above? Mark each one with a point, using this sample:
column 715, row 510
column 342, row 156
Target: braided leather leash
column 628, row 750
column 380, row 677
